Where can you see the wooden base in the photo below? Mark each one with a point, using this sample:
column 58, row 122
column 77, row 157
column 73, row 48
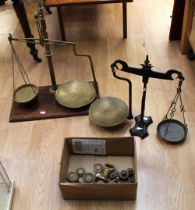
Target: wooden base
column 44, row 106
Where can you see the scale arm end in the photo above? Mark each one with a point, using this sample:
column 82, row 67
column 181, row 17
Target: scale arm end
column 114, row 65
column 124, row 67
column 171, row 72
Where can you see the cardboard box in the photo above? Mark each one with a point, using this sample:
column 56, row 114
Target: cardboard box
column 84, row 152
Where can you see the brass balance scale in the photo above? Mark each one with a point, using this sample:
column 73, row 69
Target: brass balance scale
column 32, row 103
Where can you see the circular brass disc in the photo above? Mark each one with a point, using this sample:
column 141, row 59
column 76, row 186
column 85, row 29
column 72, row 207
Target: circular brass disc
column 98, row 167
column 88, row 177
column 108, row 111
column 25, row 93
column 72, row 177
column 75, row 94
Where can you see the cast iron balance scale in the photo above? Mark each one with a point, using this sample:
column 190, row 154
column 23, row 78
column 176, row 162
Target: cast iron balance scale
column 69, row 99
column 168, row 129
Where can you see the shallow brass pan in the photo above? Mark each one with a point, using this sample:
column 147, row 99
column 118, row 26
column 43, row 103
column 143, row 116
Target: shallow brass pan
column 25, row 93
column 75, row 94
column 108, row 111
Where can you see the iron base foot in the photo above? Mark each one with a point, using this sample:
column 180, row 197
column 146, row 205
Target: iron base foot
column 140, row 127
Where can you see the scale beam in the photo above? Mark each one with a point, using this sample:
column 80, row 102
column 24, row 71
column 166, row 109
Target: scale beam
column 147, row 72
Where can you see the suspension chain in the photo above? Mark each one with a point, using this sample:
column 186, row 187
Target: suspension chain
column 20, row 66
column 172, row 109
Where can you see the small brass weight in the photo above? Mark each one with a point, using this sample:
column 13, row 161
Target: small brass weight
column 105, row 173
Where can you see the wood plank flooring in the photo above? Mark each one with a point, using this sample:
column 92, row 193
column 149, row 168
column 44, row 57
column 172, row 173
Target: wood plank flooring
column 31, row 151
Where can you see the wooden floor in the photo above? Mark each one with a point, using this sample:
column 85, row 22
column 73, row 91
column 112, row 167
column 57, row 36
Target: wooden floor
column 31, row 151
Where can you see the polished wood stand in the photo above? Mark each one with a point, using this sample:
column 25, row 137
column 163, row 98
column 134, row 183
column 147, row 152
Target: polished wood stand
column 22, row 17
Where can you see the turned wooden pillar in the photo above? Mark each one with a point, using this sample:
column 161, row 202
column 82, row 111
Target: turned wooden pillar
column 22, row 17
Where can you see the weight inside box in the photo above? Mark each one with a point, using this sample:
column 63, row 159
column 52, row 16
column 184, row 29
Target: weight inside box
column 83, row 151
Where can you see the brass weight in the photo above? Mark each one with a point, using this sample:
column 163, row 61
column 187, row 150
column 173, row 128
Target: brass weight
column 88, row 178
column 80, row 171
column 104, row 174
column 98, row 167
column 72, row 177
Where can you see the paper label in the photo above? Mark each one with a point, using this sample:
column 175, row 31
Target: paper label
column 89, row 146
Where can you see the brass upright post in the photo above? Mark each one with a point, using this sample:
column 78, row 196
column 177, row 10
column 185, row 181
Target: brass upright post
column 48, row 52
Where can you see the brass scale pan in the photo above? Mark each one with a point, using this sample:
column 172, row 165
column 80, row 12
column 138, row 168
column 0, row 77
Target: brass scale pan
column 75, row 94
column 108, row 111
column 25, row 93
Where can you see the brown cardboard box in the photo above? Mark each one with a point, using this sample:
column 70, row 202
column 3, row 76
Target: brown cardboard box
column 84, row 152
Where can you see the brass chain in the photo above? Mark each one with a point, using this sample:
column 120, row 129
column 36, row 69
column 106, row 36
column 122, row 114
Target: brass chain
column 183, row 111
column 20, row 66
column 172, row 109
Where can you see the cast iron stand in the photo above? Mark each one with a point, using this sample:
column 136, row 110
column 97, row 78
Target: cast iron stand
column 142, row 122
